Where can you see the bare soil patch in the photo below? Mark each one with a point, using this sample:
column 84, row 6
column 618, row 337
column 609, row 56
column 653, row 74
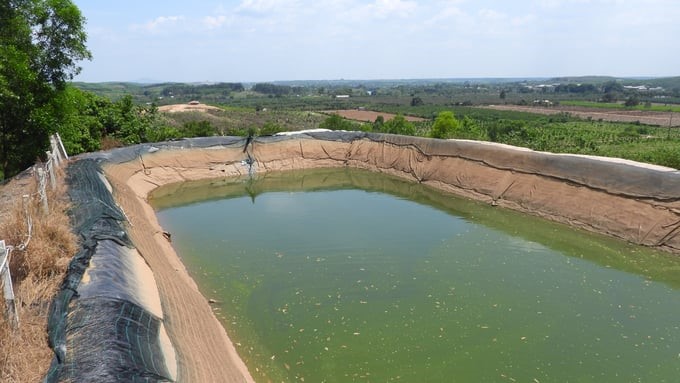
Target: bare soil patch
column 368, row 115
column 614, row 115
column 186, row 108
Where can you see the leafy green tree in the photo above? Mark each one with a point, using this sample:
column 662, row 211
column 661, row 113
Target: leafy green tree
column 378, row 123
column 41, row 42
column 335, row 122
column 612, row 87
column 77, row 120
column 417, row 101
column 399, row 125
column 445, row 125
column 609, row 97
column 198, row 129
column 632, row 101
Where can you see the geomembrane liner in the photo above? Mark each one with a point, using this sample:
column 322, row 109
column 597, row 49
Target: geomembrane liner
column 103, row 327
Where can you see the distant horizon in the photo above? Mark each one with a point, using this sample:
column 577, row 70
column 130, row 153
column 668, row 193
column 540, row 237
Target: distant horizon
column 423, row 79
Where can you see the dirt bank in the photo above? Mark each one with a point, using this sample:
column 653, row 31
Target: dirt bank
column 630, row 201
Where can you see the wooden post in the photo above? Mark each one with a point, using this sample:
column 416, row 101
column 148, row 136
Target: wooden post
column 54, row 149
column 42, row 192
column 51, row 163
column 6, row 280
column 61, row 146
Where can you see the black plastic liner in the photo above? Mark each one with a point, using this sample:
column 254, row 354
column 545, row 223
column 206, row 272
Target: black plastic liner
column 105, row 335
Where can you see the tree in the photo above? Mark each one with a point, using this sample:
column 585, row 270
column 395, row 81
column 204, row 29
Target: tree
column 417, row 101
column 378, row 123
column 502, row 95
column 77, row 119
column 335, row 122
column 631, row 101
column 41, row 42
column 609, row 97
column 399, row 125
column 612, row 87
column 445, row 125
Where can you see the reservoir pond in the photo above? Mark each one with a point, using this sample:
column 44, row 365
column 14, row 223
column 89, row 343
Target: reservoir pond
column 352, row 276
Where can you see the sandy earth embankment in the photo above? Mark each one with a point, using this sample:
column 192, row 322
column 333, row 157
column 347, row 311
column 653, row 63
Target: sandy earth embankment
column 624, row 200
column 175, row 108
column 204, row 351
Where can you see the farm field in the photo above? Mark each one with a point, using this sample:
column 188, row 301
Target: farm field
column 654, row 107
column 614, row 115
column 368, row 115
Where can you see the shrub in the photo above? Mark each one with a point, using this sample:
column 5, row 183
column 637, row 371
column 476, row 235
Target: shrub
column 445, row 125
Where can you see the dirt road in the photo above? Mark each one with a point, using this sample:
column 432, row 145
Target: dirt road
column 616, row 115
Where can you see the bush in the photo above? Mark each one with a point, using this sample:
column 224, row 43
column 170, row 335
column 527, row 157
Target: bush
column 399, row 125
column 445, row 125
column 335, row 122
column 269, row 129
column 198, row 129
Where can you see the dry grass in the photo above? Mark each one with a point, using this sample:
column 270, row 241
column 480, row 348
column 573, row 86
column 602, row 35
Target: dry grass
column 111, row 143
column 37, row 273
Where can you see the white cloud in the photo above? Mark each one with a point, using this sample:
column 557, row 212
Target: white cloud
column 552, row 4
column 491, row 15
column 385, row 8
column 159, row 23
column 264, row 7
column 447, row 13
column 520, row 21
column 380, row 9
column 214, row 22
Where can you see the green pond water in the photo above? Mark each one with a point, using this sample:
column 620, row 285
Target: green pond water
column 345, row 275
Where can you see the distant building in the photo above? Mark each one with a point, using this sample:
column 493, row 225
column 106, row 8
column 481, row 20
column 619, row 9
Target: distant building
column 543, row 103
column 342, row 96
column 194, row 102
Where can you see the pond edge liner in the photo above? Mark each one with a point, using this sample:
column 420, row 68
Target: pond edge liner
column 654, row 186
column 612, row 175
column 100, row 328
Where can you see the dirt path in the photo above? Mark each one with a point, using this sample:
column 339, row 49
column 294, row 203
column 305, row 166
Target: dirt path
column 644, row 117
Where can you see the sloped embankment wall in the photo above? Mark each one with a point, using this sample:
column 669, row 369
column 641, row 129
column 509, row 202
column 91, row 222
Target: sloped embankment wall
column 635, row 202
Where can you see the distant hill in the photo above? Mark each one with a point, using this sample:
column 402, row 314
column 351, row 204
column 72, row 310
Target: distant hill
column 445, row 88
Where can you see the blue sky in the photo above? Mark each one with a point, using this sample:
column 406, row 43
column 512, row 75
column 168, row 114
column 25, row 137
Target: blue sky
column 269, row 40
